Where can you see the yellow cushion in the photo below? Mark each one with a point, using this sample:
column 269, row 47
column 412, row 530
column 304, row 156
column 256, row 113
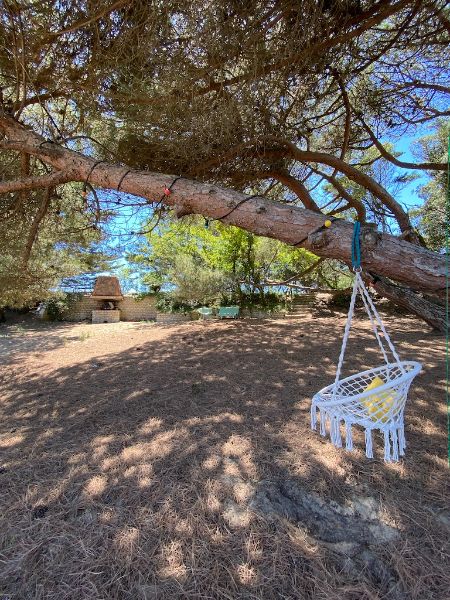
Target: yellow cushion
column 378, row 405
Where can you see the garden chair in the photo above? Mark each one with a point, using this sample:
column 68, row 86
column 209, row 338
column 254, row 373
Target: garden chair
column 205, row 312
column 228, row 312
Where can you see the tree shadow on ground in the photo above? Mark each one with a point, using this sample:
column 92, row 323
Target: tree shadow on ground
column 31, row 335
column 131, row 475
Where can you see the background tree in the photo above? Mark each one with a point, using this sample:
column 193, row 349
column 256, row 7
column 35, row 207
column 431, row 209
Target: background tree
column 433, row 214
column 276, row 96
column 46, row 236
column 216, row 261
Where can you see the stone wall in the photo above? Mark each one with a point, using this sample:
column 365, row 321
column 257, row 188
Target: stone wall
column 131, row 309
column 82, row 309
column 105, row 316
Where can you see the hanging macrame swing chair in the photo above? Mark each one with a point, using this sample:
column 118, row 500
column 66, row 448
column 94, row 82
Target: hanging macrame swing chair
column 373, row 399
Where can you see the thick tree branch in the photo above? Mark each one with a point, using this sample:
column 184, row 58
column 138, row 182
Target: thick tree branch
column 354, row 174
column 400, row 163
column 286, row 148
column 36, row 182
column 294, row 185
column 382, row 253
column 35, row 227
column 431, row 313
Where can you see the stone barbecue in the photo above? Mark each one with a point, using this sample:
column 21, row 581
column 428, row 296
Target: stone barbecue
column 107, row 293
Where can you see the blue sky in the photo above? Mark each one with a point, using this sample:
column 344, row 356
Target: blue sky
column 409, row 196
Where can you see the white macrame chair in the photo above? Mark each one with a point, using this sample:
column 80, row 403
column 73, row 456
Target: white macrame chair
column 347, row 401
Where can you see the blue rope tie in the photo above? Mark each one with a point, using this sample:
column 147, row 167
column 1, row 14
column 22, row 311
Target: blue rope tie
column 356, row 248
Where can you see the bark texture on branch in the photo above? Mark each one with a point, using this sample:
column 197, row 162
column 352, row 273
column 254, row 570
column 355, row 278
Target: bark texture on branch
column 431, row 313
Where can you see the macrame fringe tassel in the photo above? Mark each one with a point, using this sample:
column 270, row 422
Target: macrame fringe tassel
column 337, row 433
column 395, row 448
column 401, row 440
column 387, row 447
column 313, row 417
column 323, row 423
column 333, row 430
column 348, row 436
column 369, row 450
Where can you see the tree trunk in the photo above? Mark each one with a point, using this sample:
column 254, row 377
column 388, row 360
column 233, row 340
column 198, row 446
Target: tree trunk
column 383, row 254
column 431, row 313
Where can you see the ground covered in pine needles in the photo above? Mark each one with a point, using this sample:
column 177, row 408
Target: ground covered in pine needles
column 153, row 462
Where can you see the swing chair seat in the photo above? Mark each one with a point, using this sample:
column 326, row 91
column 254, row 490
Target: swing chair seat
column 373, row 399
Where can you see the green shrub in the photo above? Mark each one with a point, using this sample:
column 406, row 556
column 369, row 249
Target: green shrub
column 58, row 307
column 270, row 301
column 168, row 304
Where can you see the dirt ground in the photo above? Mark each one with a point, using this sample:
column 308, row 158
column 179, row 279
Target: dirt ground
column 150, row 462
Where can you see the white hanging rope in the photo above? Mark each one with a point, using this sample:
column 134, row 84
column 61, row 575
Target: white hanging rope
column 380, row 322
column 376, row 322
column 346, row 334
column 374, row 326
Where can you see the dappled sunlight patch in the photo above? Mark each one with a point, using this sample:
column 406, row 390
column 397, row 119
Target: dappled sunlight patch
column 184, row 527
column 214, row 495
column 144, row 475
column 151, row 425
column 396, row 469
column 99, row 451
column 76, row 458
column 139, row 393
column 431, row 428
column 162, row 445
column 108, row 516
column 96, row 486
column 141, row 473
column 101, row 440
column 172, row 559
column 80, row 411
column 10, row 440
column 212, row 502
column 235, row 515
column 134, row 453
column 110, row 463
column 237, row 451
column 126, row 542
column 220, row 418
column 212, row 462
column 130, row 472
column 49, row 433
column 333, row 460
column 246, row 574
column 242, row 491
column 27, row 414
